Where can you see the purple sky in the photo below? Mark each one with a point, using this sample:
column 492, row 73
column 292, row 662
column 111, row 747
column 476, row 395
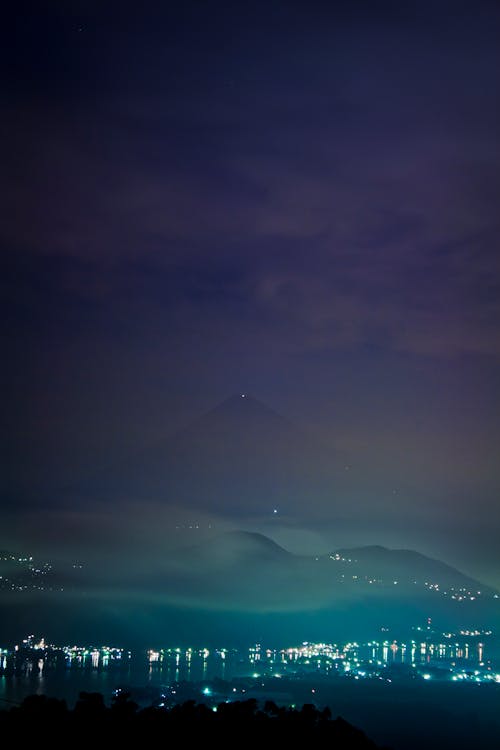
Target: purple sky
column 295, row 199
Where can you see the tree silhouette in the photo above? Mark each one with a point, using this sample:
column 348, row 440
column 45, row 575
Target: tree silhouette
column 225, row 724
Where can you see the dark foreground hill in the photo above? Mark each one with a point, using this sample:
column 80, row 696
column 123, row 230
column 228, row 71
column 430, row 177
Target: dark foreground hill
column 190, row 724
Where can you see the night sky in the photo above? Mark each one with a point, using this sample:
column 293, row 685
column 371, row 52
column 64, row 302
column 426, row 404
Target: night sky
column 298, row 200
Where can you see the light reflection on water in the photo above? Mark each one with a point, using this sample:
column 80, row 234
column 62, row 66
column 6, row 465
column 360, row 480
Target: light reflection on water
column 156, row 668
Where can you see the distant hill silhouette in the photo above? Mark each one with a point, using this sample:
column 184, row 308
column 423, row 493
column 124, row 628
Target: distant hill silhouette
column 359, row 564
column 408, row 566
column 242, row 547
column 249, row 572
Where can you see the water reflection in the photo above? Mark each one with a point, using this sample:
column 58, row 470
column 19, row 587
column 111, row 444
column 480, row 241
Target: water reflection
column 65, row 674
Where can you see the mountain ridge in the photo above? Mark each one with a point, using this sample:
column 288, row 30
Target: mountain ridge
column 255, row 542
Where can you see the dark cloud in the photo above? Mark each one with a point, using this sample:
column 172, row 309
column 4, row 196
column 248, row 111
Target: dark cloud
column 290, row 198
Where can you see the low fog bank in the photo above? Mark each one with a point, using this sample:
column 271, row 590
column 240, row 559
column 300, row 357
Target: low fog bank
column 154, row 573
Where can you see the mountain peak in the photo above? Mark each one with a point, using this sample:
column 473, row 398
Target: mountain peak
column 241, row 453
column 244, row 402
column 239, row 545
column 243, row 411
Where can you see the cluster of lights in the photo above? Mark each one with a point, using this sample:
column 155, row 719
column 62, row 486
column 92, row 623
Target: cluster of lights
column 371, row 659
column 476, row 676
column 458, row 594
column 27, row 576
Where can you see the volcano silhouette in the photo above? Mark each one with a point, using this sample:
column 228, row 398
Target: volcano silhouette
column 239, row 454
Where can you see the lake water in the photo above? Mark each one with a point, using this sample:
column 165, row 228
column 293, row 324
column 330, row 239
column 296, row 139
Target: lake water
column 96, row 675
column 403, row 714
column 67, row 674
